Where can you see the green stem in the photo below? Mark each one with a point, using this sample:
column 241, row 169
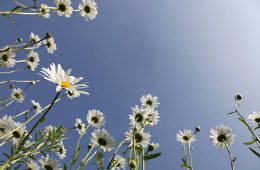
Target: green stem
column 83, row 162
column 185, row 157
column 143, row 161
column 230, row 157
column 190, row 156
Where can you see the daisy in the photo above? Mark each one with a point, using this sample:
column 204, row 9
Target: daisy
column 64, row 7
column 49, row 164
column 36, row 106
column 96, row 118
column 80, row 126
column 35, row 39
column 149, row 101
column 31, row 165
column 138, row 116
column 141, row 138
column 32, row 60
column 119, row 163
column 45, row 11
column 221, row 136
column 18, row 95
column 63, row 80
column 7, row 58
column 254, row 117
column 152, row 117
column 103, row 140
column 5, row 123
column 61, row 151
column 50, row 44
column 88, row 9
column 153, row 146
column 185, row 137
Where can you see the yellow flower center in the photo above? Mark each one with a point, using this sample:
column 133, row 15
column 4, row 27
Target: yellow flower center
column 65, row 84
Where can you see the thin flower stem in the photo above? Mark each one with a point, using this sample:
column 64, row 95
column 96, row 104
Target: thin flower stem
column 12, row 71
column 90, row 157
column 24, row 6
column 143, row 161
column 76, row 152
column 190, row 156
column 112, row 159
column 6, row 100
column 26, row 122
column 230, row 157
column 19, row 13
column 248, row 126
column 41, row 118
column 185, row 157
column 19, row 81
column 83, row 161
column 6, row 105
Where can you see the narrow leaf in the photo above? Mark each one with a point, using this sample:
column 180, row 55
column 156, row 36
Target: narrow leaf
column 255, row 152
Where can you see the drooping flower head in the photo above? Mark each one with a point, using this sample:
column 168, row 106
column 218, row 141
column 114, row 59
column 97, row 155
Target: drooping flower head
column 80, row 126
column 221, row 136
column 45, row 11
column 36, row 106
column 7, row 57
column 50, row 45
column 32, row 60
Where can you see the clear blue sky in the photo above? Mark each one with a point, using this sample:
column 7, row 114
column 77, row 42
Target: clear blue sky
column 193, row 55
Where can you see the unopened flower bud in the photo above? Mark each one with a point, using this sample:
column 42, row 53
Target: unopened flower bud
column 48, row 35
column 238, row 97
column 19, row 39
column 132, row 164
column 197, row 129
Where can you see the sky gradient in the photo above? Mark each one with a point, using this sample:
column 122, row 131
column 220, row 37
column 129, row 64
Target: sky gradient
column 194, row 55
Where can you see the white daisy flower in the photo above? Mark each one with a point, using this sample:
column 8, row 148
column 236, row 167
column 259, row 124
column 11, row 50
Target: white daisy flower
column 96, row 118
column 254, row 117
column 63, row 79
column 153, row 146
column 152, row 117
column 32, row 60
column 119, row 163
column 149, row 101
column 64, row 7
column 138, row 117
column 5, row 124
column 45, row 11
column 49, row 164
column 185, row 137
column 31, row 165
column 80, row 126
column 141, row 138
column 35, row 39
column 7, row 57
column 18, row 95
column 50, row 44
column 103, row 140
column 61, row 151
column 221, row 135
column 88, row 9
column 36, row 106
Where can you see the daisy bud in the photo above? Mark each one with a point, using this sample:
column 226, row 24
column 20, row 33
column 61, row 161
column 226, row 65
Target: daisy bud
column 11, row 86
column 132, row 164
column 48, row 35
column 19, row 39
column 197, row 129
column 153, row 146
column 238, row 97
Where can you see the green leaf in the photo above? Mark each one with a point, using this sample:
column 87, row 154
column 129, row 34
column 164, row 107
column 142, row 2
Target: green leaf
column 9, row 18
column 249, row 143
column 186, row 166
column 65, row 167
column 16, row 8
column 26, row 116
column 255, row 152
column 152, row 156
column 43, row 120
column 6, row 155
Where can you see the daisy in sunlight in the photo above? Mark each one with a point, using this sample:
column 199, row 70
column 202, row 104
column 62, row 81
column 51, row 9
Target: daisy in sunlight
column 64, row 80
column 88, row 9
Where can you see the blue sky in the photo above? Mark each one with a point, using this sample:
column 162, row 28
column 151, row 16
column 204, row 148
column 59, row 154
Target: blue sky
column 194, row 55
